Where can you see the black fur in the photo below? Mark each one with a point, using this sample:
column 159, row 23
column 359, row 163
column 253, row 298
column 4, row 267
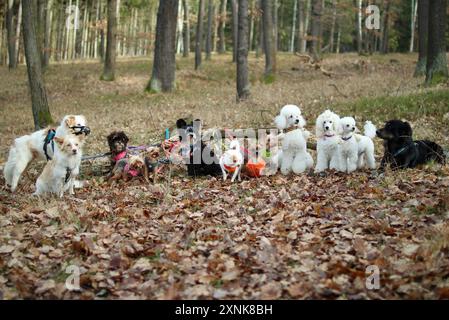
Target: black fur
column 195, row 151
column 118, row 142
column 400, row 151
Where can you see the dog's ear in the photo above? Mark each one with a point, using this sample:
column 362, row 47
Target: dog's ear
column 70, row 121
column 281, row 122
column 407, row 129
column 180, row 123
column 59, row 140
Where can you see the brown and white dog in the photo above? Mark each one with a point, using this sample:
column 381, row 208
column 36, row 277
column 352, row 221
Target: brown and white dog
column 40, row 145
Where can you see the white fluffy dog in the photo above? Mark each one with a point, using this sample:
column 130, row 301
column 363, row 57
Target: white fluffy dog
column 60, row 172
column 326, row 126
column 356, row 150
column 294, row 155
column 34, row 146
column 231, row 161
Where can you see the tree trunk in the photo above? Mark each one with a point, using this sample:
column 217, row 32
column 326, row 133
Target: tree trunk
column 40, row 26
column 423, row 32
column 293, row 32
column 41, row 112
column 221, row 27
column 109, row 61
column 101, row 44
column 414, row 9
column 358, row 19
column 199, row 35
column 301, row 26
column 11, row 34
column 210, row 17
column 386, row 27
column 275, row 10
column 47, row 36
column 332, row 32
column 79, row 32
column 270, row 58
column 436, row 69
column 234, row 28
column 164, row 63
column 186, row 30
column 242, row 52
column 260, row 44
column 252, row 18
column 316, row 27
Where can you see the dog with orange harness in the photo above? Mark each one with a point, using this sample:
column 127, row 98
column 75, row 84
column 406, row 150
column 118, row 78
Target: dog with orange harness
column 231, row 161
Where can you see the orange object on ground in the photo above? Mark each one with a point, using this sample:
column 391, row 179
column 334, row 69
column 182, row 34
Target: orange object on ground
column 254, row 169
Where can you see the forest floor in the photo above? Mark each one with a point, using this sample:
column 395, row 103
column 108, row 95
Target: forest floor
column 288, row 237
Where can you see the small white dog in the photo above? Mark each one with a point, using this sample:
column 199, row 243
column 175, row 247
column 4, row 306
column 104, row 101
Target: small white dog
column 40, row 145
column 231, row 161
column 294, row 156
column 327, row 125
column 59, row 173
column 355, row 149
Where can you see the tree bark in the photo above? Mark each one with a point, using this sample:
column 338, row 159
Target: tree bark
column 199, row 35
column 210, row 17
column 11, row 34
column 358, row 19
column 316, row 29
column 39, row 103
column 234, row 28
column 332, row 32
column 164, row 63
column 423, row 32
column 386, row 27
column 186, row 30
column 109, row 61
column 436, row 68
column 270, row 63
column 293, row 31
column 260, row 42
column 101, row 52
column 414, row 9
column 275, row 10
column 242, row 52
column 221, row 27
column 47, row 36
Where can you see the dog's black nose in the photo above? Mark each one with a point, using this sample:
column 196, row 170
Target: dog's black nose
column 297, row 121
column 378, row 132
column 327, row 127
column 353, row 129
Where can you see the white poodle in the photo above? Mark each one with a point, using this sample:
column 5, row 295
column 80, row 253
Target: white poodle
column 356, row 149
column 327, row 125
column 294, row 156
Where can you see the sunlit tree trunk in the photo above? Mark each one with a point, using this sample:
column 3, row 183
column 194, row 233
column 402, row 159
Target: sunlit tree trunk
column 423, row 32
column 234, row 29
column 11, row 34
column 293, row 32
column 221, row 28
column 414, row 9
column 268, row 33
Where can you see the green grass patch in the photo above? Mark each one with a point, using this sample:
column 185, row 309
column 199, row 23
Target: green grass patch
column 410, row 107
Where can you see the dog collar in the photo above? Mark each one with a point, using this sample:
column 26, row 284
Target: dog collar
column 329, row 136
column 346, row 139
column 120, row 156
column 229, row 168
column 290, row 129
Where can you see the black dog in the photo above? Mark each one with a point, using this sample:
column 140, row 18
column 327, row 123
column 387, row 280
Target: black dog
column 400, row 151
column 118, row 142
column 196, row 151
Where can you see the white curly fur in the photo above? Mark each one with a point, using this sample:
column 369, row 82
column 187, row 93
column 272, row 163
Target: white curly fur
column 355, row 149
column 326, row 127
column 294, row 156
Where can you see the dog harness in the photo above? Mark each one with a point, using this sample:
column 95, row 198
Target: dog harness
column 83, row 129
column 127, row 169
column 415, row 158
column 290, row 129
column 49, row 139
column 230, row 169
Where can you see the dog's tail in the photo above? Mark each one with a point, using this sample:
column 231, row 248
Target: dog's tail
column 9, row 165
column 370, row 129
